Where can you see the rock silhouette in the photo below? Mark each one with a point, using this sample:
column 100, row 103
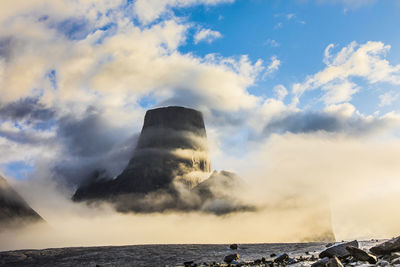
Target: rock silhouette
column 14, row 211
column 169, row 170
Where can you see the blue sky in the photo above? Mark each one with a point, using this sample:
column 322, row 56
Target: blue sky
column 254, row 68
column 297, row 33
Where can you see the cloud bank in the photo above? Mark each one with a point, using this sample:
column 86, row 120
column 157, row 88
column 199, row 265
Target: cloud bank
column 76, row 79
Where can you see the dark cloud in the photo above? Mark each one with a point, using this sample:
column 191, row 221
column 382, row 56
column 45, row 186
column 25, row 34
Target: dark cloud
column 87, row 136
column 74, row 28
column 90, row 144
column 24, row 137
column 310, row 121
column 6, row 47
column 28, row 109
column 77, row 170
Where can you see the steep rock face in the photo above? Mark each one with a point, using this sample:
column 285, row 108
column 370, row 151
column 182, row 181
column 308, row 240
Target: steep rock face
column 172, row 149
column 14, row 211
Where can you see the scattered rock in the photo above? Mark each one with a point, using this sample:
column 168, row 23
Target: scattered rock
column 361, row 255
column 258, row 261
column 394, row 255
column 281, row 258
column 233, row 246
column 291, row 261
column 387, row 247
column 231, row 257
column 334, row 262
column 188, row 263
column 321, row 263
column 384, row 263
column 395, row 261
column 272, row 255
column 338, row 250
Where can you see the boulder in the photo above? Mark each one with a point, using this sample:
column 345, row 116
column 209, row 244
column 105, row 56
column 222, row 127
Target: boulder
column 395, row 261
column 394, row 255
column 387, row 247
column 334, row 262
column 320, row 263
column 339, row 250
column 233, row 246
column 230, row 258
column 281, row 258
column 188, row 263
column 361, row 255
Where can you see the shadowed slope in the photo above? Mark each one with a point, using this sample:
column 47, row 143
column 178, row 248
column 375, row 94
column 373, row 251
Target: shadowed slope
column 14, row 211
column 172, row 148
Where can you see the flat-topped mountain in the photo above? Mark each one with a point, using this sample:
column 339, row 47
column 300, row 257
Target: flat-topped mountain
column 170, row 170
column 14, row 211
column 172, row 149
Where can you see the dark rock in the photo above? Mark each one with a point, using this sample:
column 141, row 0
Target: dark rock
column 281, row 258
column 188, row 263
column 272, row 255
column 14, row 211
column 171, row 165
column 387, row 247
column 395, row 261
column 338, row 250
column 155, row 163
column 384, row 263
column 361, row 255
column 394, row 255
column 231, row 257
column 233, row 246
column 334, row 262
column 320, row 263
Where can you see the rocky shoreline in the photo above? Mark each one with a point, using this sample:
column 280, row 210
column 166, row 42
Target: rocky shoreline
column 343, row 254
column 370, row 253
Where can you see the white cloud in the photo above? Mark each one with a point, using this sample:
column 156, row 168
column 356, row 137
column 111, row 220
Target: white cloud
column 388, row 98
column 272, row 43
column 274, row 65
column 366, row 61
column 206, row 35
column 338, row 92
column 149, row 10
column 290, row 16
column 278, row 26
column 110, row 70
column 280, row 92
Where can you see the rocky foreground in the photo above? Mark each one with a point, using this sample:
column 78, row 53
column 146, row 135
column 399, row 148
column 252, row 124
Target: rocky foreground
column 346, row 254
column 341, row 254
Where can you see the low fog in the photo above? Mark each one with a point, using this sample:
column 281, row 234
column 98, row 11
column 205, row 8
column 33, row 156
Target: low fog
column 299, row 182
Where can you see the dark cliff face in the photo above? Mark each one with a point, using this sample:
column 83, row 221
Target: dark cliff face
column 14, row 211
column 172, row 149
column 169, row 170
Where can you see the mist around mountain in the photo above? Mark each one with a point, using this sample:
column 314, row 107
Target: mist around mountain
column 15, row 212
